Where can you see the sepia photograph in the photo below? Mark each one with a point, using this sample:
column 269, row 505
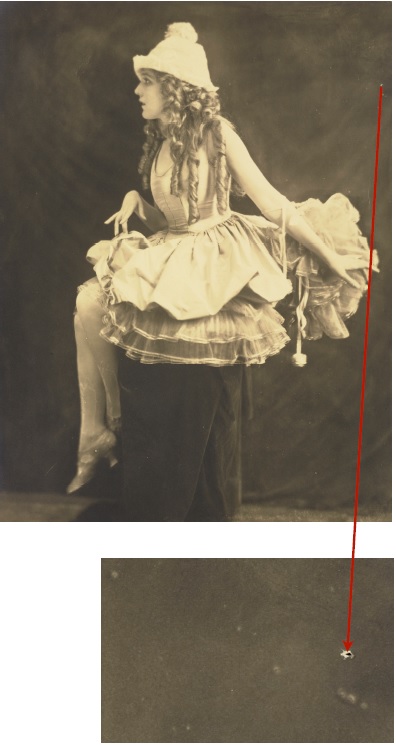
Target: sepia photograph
column 246, row 650
column 189, row 268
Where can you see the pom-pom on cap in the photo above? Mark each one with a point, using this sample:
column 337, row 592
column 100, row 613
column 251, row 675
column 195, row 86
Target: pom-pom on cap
column 180, row 55
column 184, row 30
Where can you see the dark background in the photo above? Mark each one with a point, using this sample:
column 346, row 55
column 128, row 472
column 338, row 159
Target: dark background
column 301, row 82
column 245, row 650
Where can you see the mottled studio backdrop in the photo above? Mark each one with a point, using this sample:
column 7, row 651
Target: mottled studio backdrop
column 245, row 650
column 300, row 81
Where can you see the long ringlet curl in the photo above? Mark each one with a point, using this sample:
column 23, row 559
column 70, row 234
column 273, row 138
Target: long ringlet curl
column 192, row 113
column 150, row 147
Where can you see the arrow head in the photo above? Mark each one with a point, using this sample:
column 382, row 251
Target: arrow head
column 347, row 645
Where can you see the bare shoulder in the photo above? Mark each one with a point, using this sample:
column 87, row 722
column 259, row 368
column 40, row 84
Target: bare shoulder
column 227, row 128
column 227, row 139
column 233, row 142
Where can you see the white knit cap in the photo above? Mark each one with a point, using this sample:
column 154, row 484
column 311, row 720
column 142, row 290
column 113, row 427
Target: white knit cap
column 179, row 55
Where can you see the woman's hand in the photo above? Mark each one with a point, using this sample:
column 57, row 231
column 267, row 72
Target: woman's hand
column 128, row 207
column 341, row 265
column 338, row 264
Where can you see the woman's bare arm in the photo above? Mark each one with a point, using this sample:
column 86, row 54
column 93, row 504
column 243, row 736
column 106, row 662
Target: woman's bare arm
column 277, row 208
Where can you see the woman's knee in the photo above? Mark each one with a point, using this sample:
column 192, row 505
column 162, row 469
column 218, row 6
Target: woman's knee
column 78, row 327
column 89, row 300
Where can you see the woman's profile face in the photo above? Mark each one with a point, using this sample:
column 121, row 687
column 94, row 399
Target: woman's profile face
column 150, row 95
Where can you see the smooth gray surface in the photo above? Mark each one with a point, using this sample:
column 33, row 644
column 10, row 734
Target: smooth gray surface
column 240, row 650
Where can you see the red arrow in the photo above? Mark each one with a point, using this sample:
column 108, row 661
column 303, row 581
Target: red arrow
column 347, row 642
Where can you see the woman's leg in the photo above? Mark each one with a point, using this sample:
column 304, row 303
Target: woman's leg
column 92, row 392
column 97, row 364
column 98, row 384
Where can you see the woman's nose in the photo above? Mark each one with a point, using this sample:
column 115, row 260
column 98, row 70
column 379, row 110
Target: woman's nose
column 137, row 90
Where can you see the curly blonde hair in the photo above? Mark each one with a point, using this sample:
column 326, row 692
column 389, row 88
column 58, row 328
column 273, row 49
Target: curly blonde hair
column 192, row 113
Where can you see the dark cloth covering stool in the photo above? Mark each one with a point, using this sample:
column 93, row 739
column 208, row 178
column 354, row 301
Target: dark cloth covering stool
column 180, row 437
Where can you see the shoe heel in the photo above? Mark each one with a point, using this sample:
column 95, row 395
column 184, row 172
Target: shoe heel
column 112, row 458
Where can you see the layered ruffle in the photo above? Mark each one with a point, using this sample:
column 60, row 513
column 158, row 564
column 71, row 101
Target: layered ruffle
column 227, row 338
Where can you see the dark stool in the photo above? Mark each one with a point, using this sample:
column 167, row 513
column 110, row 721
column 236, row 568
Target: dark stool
column 180, row 441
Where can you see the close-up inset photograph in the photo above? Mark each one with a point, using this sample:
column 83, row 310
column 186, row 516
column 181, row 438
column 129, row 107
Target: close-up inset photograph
column 190, row 261
column 246, row 650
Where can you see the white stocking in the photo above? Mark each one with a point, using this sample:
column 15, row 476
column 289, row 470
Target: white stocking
column 96, row 365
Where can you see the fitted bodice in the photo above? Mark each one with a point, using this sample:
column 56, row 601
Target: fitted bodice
column 175, row 208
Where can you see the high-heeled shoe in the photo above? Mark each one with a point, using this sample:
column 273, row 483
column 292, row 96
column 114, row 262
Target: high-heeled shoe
column 102, row 448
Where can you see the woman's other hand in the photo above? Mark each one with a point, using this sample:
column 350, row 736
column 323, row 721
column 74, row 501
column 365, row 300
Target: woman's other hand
column 128, row 207
column 341, row 265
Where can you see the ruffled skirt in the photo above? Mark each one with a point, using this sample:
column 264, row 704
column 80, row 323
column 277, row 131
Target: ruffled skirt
column 208, row 297
column 322, row 300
